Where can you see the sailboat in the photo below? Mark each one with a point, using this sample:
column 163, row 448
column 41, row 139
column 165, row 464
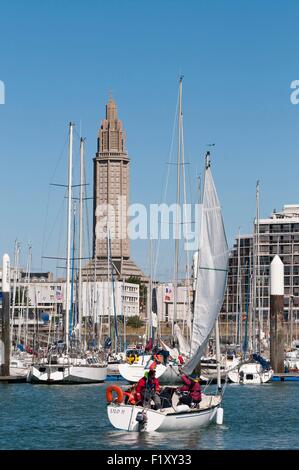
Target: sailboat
column 253, row 369
column 168, row 373
column 20, row 359
column 209, row 294
column 64, row 364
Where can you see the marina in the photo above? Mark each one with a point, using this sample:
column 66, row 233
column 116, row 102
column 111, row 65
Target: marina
column 149, row 242
column 74, row 417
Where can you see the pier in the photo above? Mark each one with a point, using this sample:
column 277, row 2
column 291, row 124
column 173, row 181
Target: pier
column 12, row 379
column 286, row 377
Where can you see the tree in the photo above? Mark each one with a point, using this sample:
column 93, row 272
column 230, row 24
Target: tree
column 134, row 322
column 142, row 291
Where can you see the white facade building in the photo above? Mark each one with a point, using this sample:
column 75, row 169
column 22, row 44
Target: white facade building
column 165, row 302
column 98, row 299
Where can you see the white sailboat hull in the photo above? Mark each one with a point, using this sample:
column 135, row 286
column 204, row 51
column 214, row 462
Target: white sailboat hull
column 250, row 373
column 134, row 372
column 19, row 371
column 209, row 368
column 170, row 419
column 292, row 360
column 20, row 367
column 68, row 374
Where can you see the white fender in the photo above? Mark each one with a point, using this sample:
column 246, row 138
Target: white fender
column 219, row 416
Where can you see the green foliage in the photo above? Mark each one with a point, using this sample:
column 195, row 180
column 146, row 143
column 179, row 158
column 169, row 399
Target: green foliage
column 142, row 291
column 133, row 280
column 134, row 322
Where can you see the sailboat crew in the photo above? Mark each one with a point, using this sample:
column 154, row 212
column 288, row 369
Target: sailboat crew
column 148, row 389
column 191, row 390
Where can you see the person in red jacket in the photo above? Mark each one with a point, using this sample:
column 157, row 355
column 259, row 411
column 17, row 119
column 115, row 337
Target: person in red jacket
column 191, row 391
column 148, row 389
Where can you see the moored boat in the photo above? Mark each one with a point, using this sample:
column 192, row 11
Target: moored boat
column 136, row 364
column 68, row 371
column 250, row 373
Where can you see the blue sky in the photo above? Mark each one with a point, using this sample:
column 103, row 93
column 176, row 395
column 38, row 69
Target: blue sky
column 60, row 59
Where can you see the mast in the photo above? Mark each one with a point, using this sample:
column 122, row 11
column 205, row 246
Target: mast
column 80, row 305
column 124, row 315
column 291, row 297
column 177, row 241
column 27, row 296
column 72, row 311
column 15, row 280
column 94, row 299
column 186, row 235
column 251, row 301
column 247, row 301
column 150, row 311
column 113, row 300
column 258, row 265
column 238, row 309
column 108, row 289
column 69, row 228
column 217, row 340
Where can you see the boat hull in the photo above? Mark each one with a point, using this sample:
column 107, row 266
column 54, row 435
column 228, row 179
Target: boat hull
column 251, row 373
column 56, row 374
column 134, row 372
column 19, row 371
column 124, row 417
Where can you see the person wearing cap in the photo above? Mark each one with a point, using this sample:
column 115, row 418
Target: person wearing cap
column 191, row 390
column 148, row 389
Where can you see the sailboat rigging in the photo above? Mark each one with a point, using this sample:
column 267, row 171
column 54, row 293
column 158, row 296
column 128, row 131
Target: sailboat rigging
column 209, row 294
column 65, row 364
column 254, row 369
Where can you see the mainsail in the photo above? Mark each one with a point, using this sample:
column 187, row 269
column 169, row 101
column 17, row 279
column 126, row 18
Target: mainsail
column 211, row 272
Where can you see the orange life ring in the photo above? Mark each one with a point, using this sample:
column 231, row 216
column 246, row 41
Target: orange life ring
column 117, row 390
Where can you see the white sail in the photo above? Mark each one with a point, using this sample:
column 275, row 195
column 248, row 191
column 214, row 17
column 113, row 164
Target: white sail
column 183, row 347
column 211, row 272
column 174, row 353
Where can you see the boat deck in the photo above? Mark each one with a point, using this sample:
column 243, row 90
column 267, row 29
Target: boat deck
column 207, row 402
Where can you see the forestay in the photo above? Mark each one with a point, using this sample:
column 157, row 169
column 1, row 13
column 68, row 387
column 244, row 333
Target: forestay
column 211, row 272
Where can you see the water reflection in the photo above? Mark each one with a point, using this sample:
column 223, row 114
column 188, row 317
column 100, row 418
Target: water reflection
column 210, row 437
column 154, row 440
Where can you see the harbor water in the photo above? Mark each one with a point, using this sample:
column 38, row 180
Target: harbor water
column 75, row 417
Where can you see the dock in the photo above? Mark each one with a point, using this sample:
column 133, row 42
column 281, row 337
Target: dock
column 12, row 379
column 286, row 377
